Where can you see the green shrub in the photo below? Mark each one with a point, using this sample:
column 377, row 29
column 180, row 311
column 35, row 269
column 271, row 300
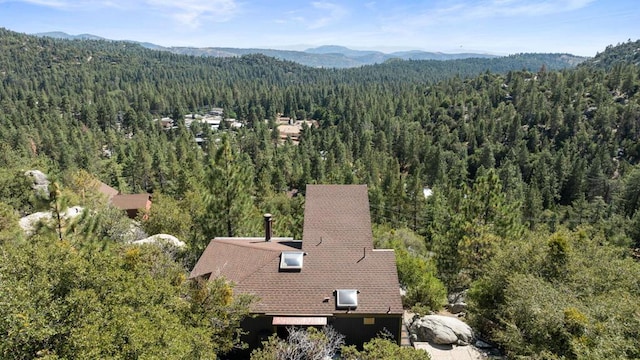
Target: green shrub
column 383, row 349
column 428, row 294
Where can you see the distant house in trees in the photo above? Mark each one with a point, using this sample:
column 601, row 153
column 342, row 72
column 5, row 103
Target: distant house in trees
column 130, row 203
column 333, row 276
column 212, row 121
column 292, row 129
column 166, row 123
column 216, row 111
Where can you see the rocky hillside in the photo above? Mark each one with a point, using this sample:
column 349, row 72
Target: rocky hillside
column 622, row 53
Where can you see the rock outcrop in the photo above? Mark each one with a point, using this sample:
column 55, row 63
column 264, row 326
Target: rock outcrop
column 30, row 222
column 442, row 330
column 161, row 239
column 457, row 302
column 40, row 180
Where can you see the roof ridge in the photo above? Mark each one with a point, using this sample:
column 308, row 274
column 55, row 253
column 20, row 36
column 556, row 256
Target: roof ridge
column 229, row 241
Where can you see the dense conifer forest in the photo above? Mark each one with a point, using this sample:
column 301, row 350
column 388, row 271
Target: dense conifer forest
column 508, row 177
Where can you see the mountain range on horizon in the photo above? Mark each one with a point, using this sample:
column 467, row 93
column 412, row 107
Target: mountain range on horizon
column 326, row 56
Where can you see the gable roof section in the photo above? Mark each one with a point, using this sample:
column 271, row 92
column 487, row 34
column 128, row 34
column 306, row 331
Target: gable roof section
column 339, row 254
column 107, row 190
column 237, row 258
column 337, row 216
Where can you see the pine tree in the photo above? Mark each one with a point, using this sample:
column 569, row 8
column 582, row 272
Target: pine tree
column 229, row 204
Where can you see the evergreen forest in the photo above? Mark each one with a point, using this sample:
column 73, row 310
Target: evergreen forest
column 515, row 179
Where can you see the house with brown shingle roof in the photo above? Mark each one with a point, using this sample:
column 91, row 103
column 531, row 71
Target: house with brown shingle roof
column 130, row 203
column 333, row 276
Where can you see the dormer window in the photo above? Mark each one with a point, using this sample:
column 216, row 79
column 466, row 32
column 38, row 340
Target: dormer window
column 346, row 299
column 291, row 260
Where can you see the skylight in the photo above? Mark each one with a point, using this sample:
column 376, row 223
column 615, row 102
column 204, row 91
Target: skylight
column 346, row 298
column 291, row 260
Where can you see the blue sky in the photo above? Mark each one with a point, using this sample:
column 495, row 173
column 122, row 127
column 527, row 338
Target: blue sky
column 580, row 27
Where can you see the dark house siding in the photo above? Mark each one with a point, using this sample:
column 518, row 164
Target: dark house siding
column 356, row 332
column 256, row 330
column 353, row 327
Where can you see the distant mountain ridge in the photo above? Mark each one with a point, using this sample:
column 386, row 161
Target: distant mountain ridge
column 404, row 55
column 327, row 56
column 63, row 35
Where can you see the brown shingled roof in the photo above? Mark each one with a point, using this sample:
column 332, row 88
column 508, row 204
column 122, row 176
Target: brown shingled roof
column 339, row 254
column 131, row 201
column 337, row 215
column 237, row 258
column 107, row 190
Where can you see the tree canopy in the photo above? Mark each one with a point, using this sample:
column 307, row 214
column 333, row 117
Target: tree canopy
column 467, row 158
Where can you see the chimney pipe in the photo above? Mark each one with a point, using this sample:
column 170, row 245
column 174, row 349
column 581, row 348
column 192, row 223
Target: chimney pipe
column 268, row 232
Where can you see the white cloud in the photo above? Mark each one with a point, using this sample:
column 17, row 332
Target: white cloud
column 526, row 8
column 499, row 8
column 80, row 4
column 330, row 13
column 187, row 12
column 193, row 12
column 318, row 15
column 413, row 19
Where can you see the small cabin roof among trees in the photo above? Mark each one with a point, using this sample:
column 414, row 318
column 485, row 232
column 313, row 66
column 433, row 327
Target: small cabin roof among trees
column 131, row 201
column 107, row 190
